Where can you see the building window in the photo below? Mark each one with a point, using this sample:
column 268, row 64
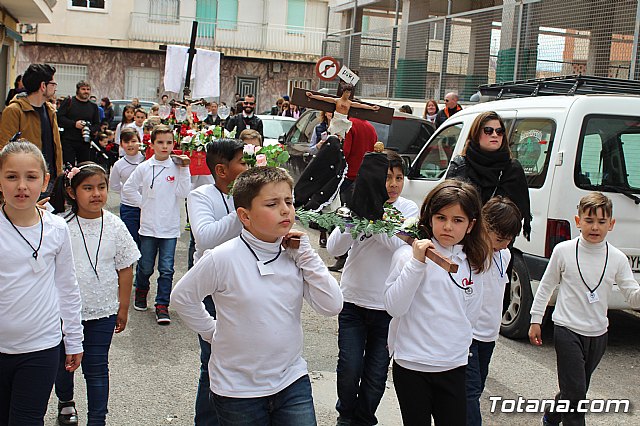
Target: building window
column 302, row 83
column 437, row 31
column 97, row 5
column 227, row 14
column 67, row 76
column 164, row 10
column 295, row 16
column 247, row 86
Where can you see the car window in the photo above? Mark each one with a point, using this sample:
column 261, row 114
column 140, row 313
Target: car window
column 609, row 154
column 530, row 142
column 434, row 159
column 303, row 131
column 274, row 128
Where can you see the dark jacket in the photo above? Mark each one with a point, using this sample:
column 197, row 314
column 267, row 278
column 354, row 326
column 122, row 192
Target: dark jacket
column 72, row 110
column 20, row 116
column 238, row 121
column 441, row 116
column 211, row 122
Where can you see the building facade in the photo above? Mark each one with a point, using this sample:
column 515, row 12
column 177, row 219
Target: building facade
column 268, row 46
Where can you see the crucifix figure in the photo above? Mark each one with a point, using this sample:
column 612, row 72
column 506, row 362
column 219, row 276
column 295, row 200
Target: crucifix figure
column 340, row 124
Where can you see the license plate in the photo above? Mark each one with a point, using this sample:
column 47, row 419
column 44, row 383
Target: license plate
column 634, row 261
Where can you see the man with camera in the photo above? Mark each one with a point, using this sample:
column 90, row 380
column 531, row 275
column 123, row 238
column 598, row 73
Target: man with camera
column 246, row 119
column 77, row 115
column 30, row 114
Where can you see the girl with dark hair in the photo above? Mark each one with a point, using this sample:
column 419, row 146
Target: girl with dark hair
column 128, row 112
column 486, row 162
column 109, row 113
column 434, row 310
column 103, row 253
column 18, row 87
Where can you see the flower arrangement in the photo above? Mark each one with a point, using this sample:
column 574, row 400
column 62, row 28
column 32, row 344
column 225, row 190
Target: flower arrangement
column 271, row 155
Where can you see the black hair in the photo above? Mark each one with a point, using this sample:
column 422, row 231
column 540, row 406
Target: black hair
column 17, row 80
column 37, row 74
column 60, row 196
column 82, row 83
column 222, row 151
column 394, row 160
column 502, row 216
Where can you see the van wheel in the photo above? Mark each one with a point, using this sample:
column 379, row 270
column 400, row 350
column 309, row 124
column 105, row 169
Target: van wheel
column 517, row 302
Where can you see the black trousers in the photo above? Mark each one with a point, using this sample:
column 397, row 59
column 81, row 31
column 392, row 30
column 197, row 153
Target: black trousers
column 577, row 357
column 422, row 395
column 75, row 152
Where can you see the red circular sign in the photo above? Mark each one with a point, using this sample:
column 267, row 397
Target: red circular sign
column 327, row 68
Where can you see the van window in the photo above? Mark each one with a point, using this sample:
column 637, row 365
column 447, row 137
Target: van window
column 530, row 142
column 609, row 154
column 434, row 159
column 304, row 127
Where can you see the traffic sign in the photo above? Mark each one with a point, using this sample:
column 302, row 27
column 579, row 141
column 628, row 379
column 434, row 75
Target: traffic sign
column 327, row 68
column 348, row 76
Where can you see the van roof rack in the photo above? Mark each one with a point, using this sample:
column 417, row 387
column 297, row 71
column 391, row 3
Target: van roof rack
column 577, row 84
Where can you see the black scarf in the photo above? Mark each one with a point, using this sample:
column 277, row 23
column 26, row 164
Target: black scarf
column 494, row 173
column 369, row 188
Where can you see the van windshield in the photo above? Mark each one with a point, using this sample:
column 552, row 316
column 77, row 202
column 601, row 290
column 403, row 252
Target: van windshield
column 609, row 154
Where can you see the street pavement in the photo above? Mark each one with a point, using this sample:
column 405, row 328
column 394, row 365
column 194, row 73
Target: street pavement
column 154, row 369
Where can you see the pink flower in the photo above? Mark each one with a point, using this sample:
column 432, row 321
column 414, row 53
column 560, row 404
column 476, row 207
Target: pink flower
column 71, row 173
column 261, row 160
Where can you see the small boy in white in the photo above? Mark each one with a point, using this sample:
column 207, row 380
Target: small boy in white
column 158, row 186
column 214, row 221
column 258, row 282
column 363, row 359
column 503, row 222
column 584, row 269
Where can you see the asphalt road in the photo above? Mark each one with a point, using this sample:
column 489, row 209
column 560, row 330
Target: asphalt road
column 154, row 369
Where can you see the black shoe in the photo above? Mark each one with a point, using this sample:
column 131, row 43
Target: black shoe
column 140, row 300
column 162, row 315
column 323, row 239
column 339, row 264
column 67, row 419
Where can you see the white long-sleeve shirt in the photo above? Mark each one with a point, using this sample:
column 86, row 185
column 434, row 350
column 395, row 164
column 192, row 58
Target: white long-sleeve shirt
column 494, row 280
column 256, row 341
column 573, row 309
column 121, row 171
column 158, row 187
column 32, row 303
column 431, row 329
column 367, row 267
column 213, row 218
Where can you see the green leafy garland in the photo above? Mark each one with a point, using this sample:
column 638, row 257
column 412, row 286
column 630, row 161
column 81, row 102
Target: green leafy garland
column 392, row 222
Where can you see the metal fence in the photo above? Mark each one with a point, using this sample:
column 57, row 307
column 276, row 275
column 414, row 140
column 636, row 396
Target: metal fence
column 519, row 39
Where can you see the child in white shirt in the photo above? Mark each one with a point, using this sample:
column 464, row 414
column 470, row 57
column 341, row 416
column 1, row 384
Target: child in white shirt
column 127, row 118
column 214, row 221
column 158, row 186
column 363, row 359
column 434, row 310
column 103, row 253
column 139, row 117
column 120, row 172
column 503, row 222
column 584, row 270
column 39, row 295
column 258, row 282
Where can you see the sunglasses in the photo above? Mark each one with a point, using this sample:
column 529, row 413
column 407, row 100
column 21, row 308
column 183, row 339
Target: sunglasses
column 489, row 130
column 249, row 103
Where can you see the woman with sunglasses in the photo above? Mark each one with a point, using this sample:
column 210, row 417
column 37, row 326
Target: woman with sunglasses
column 487, row 163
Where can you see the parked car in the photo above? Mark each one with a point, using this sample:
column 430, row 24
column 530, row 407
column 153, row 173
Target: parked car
column 407, row 134
column 118, row 106
column 568, row 147
column 275, row 126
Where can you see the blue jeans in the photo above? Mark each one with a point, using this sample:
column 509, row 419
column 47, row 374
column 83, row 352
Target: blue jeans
column 165, row 248
column 363, row 363
column 205, row 408
column 95, row 368
column 25, row 386
column 292, row 406
column 477, row 370
column 131, row 218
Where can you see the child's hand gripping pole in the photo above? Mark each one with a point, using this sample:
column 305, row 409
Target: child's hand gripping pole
column 432, row 255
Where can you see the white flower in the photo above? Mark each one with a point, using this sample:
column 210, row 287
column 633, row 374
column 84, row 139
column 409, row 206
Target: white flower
column 187, row 139
column 199, row 148
column 410, row 223
column 249, row 149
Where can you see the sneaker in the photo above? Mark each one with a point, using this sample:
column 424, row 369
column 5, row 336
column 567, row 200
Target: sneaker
column 140, row 300
column 339, row 264
column 162, row 315
column 67, row 414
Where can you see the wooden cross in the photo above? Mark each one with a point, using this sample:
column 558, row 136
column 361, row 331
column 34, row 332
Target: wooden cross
column 382, row 115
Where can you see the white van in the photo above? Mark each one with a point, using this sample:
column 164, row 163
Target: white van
column 568, row 147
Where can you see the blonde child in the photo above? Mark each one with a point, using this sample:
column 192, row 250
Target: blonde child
column 584, row 271
column 250, row 136
column 259, row 278
column 39, row 289
column 103, row 253
column 503, row 222
column 433, row 310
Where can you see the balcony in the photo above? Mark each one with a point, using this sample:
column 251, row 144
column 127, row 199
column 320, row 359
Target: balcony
column 247, row 39
column 30, row 11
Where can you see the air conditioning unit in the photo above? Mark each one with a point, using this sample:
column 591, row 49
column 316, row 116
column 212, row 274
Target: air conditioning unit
column 28, row 28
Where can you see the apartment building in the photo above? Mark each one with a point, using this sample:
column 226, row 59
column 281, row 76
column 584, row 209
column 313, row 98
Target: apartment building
column 268, row 46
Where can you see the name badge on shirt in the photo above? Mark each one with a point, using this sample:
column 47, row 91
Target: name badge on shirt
column 151, row 193
column 264, row 269
column 36, row 264
column 592, row 297
column 247, row 127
